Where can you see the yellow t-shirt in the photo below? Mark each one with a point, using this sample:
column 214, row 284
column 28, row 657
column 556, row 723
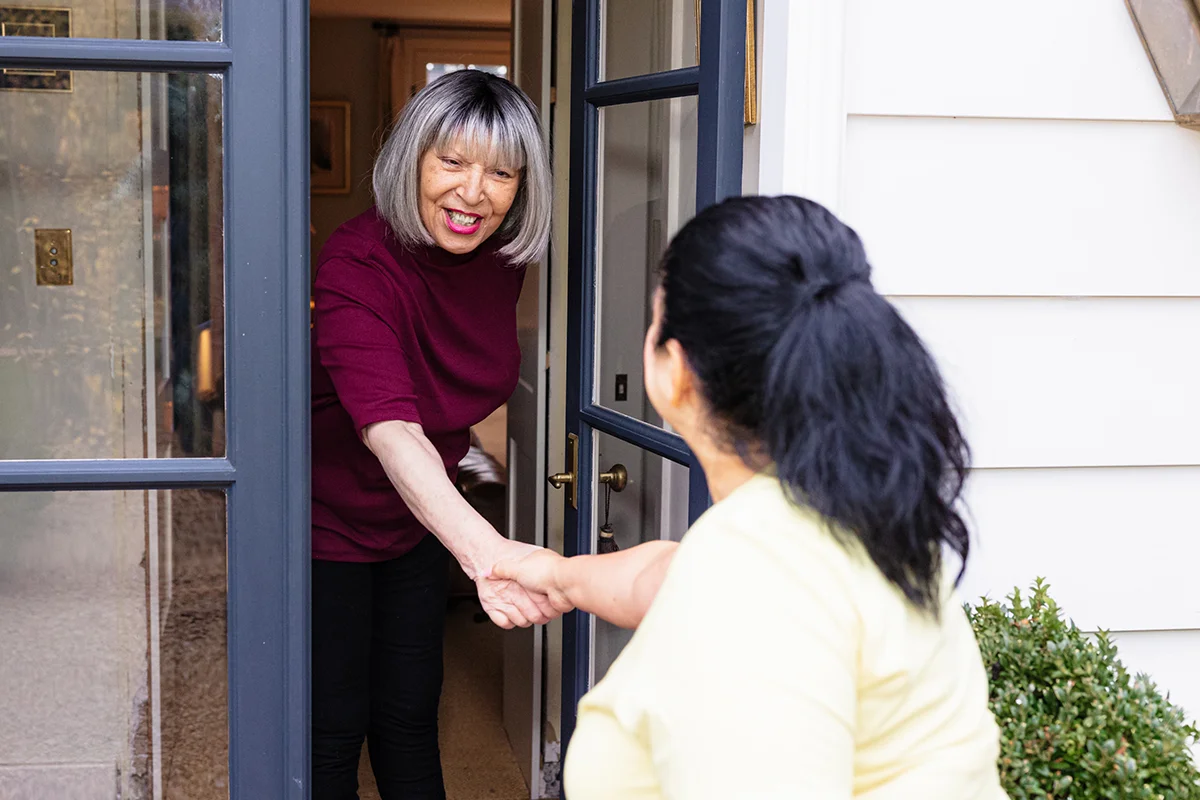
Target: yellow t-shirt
column 777, row 663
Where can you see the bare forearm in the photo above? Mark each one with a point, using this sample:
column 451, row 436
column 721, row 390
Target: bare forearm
column 416, row 471
column 617, row 587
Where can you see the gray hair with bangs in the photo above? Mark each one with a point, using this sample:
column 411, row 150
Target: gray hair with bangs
column 488, row 115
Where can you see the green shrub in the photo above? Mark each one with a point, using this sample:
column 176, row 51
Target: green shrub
column 1073, row 722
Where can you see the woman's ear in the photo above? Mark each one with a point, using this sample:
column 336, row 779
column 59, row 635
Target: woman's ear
column 677, row 373
column 670, row 383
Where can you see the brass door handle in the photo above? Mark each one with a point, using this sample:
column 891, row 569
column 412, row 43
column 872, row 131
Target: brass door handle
column 617, row 477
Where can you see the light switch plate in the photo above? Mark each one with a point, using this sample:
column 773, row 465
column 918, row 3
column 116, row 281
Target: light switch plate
column 55, row 266
column 622, row 388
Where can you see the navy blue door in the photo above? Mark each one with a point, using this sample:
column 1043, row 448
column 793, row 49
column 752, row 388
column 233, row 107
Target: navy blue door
column 656, row 133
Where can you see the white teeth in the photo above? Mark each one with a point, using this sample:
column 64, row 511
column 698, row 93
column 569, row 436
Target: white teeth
column 463, row 219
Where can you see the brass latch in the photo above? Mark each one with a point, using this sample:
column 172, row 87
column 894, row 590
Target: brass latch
column 560, row 479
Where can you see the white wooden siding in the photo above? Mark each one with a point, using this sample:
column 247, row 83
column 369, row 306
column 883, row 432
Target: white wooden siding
column 1070, row 383
column 1119, row 546
column 1027, row 202
column 1021, row 59
column 1025, row 207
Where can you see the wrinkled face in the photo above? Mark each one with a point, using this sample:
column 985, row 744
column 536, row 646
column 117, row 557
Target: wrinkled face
column 465, row 196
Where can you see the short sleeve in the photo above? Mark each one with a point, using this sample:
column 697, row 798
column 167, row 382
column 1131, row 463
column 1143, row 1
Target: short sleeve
column 361, row 343
column 754, row 693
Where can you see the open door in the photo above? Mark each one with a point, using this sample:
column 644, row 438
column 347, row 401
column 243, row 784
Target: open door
column 523, row 648
column 656, row 133
column 154, row 400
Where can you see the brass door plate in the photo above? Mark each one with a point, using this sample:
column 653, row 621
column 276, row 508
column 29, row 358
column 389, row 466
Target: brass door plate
column 573, row 460
column 55, row 266
column 569, row 480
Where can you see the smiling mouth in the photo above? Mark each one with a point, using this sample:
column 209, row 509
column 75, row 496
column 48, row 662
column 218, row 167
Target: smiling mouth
column 463, row 223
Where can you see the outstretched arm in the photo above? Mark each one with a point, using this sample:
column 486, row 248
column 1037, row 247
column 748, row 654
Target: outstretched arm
column 356, row 339
column 617, row 587
column 416, row 471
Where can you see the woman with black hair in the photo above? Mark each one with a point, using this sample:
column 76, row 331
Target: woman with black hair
column 805, row 639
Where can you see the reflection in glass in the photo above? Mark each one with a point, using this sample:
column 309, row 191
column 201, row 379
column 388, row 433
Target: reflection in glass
column 178, row 20
column 645, row 36
column 120, row 353
column 647, row 191
column 434, row 71
column 653, row 505
column 113, row 645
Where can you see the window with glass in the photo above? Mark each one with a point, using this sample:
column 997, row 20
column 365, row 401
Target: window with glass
column 112, row 302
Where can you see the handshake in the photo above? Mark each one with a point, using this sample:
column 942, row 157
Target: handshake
column 522, row 586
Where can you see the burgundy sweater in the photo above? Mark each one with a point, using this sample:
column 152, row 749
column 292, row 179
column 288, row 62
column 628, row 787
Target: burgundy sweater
column 418, row 335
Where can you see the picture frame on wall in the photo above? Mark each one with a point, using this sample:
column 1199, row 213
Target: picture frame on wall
column 329, row 147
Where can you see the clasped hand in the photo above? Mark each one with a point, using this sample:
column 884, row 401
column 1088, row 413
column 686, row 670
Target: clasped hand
column 518, row 589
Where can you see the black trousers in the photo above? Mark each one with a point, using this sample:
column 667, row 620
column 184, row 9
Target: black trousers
column 377, row 673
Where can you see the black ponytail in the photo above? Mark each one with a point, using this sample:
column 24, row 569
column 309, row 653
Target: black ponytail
column 804, row 365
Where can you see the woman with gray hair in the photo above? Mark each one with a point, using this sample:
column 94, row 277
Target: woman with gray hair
column 414, row 341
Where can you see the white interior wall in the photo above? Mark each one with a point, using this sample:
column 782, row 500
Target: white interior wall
column 1026, row 200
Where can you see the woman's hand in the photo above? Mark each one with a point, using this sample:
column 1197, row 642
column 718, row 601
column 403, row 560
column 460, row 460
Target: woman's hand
column 536, row 571
column 511, row 603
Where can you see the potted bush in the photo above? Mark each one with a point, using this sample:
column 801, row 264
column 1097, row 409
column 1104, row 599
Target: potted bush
column 1073, row 722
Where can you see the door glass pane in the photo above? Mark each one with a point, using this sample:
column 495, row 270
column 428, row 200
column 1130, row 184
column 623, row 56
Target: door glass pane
column 112, row 641
column 647, row 190
column 112, row 309
column 181, row 20
column 653, row 505
column 644, row 36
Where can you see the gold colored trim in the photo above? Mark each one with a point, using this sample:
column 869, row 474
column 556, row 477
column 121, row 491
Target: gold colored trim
column 751, row 107
column 750, row 88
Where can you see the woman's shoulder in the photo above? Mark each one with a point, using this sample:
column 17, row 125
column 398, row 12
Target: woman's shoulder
column 759, row 537
column 758, row 541
column 359, row 237
column 362, row 255
column 760, row 517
